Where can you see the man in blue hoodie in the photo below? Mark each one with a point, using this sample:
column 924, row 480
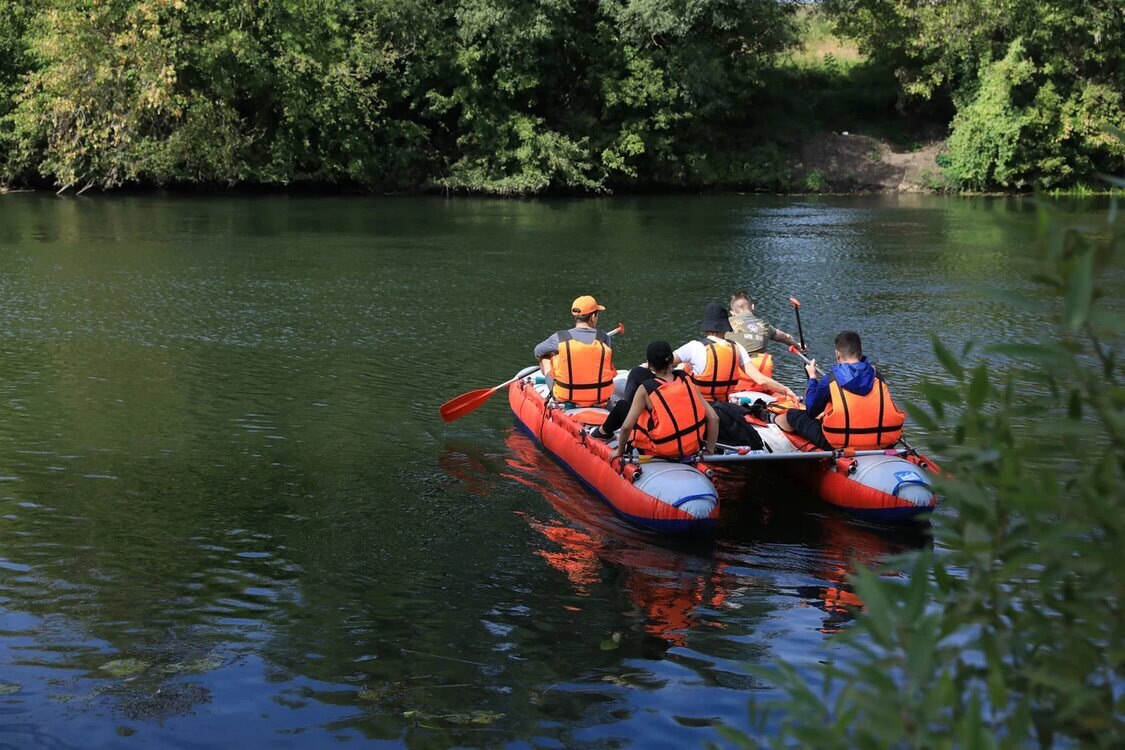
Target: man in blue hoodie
column 864, row 414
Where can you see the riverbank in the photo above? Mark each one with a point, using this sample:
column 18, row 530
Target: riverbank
column 826, row 163
column 818, row 163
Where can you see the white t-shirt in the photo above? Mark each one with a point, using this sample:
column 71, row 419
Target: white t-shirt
column 694, row 353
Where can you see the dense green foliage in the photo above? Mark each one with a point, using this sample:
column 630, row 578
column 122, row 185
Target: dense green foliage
column 476, row 94
column 1034, row 83
column 1011, row 633
column 519, row 96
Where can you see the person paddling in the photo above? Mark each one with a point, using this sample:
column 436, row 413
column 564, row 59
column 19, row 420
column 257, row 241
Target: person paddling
column 671, row 418
column 850, row 407
column 717, row 364
column 754, row 333
column 579, row 362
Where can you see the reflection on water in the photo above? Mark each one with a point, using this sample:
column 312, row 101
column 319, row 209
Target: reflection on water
column 230, row 513
column 679, row 587
column 666, row 586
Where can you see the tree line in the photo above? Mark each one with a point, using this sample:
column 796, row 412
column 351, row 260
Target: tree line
column 525, row 96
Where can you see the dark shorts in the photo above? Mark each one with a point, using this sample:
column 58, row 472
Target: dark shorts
column 807, row 427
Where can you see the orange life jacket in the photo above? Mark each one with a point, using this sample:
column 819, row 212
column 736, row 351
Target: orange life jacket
column 721, row 373
column 764, row 362
column 861, row 422
column 676, row 423
column 583, row 373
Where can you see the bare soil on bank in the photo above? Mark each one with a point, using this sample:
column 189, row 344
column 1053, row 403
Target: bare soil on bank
column 845, row 162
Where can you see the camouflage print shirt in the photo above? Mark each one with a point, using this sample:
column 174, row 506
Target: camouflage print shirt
column 751, row 331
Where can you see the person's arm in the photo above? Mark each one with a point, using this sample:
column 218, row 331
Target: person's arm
column 546, row 349
column 782, row 337
column 712, row 426
column 756, row 375
column 817, row 392
column 681, row 355
column 640, row 403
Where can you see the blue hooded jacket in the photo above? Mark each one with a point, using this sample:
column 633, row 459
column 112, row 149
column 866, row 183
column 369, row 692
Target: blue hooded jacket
column 857, row 377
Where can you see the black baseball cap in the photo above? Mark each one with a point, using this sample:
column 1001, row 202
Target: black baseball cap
column 659, row 352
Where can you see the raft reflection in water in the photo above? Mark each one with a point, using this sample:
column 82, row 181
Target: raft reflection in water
column 679, row 589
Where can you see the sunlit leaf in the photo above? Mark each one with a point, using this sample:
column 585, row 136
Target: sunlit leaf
column 951, row 364
column 872, row 591
column 1080, row 285
column 978, row 388
column 920, row 415
column 940, row 393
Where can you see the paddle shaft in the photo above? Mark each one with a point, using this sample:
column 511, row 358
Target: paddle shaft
column 797, row 311
column 521, row 374
column 807, row 361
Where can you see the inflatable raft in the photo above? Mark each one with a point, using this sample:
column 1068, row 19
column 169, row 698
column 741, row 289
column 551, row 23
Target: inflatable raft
column 891, row 485
column 664, row 496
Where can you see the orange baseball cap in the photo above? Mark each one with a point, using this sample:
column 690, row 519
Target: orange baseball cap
column 585, row 305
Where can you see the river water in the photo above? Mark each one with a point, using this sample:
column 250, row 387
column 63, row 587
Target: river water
column 230, row 515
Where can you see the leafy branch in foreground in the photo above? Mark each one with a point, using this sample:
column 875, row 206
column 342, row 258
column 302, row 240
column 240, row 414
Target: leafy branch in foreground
column 1010, row 632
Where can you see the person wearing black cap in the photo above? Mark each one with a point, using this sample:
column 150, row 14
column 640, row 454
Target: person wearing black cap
column 717, row 364
column 670, row 416
column 637, row 376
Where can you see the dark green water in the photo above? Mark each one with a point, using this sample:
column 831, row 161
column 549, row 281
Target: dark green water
column 230, row 515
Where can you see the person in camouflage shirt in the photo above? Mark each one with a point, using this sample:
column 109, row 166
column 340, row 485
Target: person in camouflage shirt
column 750, row 330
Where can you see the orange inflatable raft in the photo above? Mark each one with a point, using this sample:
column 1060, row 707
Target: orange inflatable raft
column 664, row 496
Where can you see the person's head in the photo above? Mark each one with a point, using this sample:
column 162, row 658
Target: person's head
column 659, row 355
column 848, row 346
column 740, row 302
column 585, row 309
column 715, row 320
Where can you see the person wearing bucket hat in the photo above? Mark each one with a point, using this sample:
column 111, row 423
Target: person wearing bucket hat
column 716, row 364
column 578, row 362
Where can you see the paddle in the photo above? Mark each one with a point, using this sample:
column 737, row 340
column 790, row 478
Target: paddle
column 795, row 350
column 458, row 407
column 466, row 403
column 797, row 311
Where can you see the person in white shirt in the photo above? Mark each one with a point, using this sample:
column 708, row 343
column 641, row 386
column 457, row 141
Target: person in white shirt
column 717, row 364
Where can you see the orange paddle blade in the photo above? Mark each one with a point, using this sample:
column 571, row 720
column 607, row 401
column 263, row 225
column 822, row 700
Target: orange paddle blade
column 468, row 402
column 455, row 408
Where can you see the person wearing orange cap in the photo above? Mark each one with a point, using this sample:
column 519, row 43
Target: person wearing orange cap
column 579, row 362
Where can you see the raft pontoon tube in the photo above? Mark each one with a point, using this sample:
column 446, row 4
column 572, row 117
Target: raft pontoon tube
column 665, row 496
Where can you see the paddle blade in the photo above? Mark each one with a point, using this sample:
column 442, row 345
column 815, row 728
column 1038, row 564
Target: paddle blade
column 455, row 408
column 794, row 301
